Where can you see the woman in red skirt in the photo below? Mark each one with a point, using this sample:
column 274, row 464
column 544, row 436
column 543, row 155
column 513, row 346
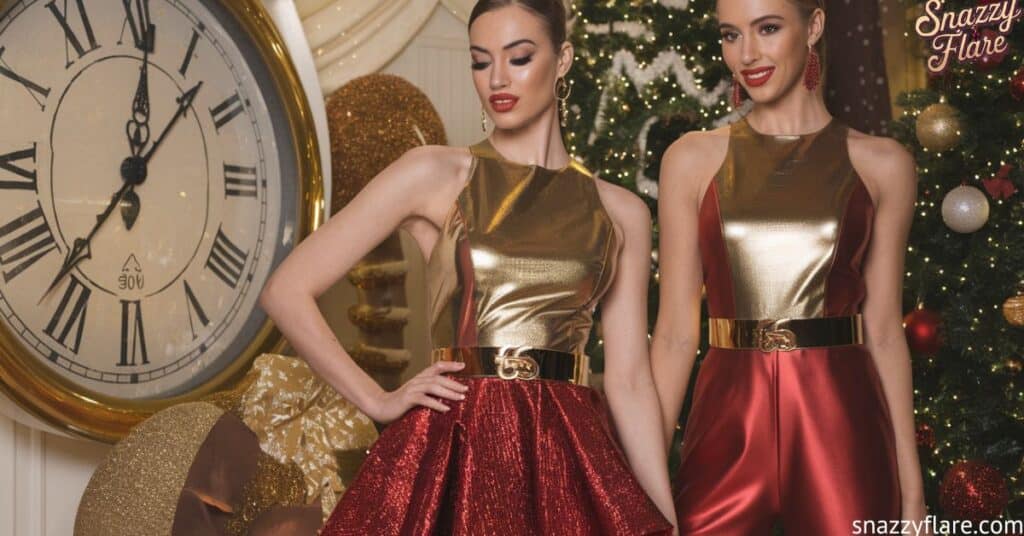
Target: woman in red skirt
column 501, row 434
column 802, row 410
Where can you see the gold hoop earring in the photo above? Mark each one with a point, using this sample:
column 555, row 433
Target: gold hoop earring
column 483, row 120
column 563, row 100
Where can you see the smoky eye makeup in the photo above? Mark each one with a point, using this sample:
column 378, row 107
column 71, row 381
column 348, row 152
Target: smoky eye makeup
column 522, row 60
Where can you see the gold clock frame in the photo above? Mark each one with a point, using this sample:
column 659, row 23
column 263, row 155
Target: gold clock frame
column 55, row 400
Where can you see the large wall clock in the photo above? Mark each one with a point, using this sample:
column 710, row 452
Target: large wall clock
column 157, row 161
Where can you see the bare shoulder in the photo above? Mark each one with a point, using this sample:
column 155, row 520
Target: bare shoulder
column 627, row 210
column 690, row 163
column 427, row 165
column 883, row 163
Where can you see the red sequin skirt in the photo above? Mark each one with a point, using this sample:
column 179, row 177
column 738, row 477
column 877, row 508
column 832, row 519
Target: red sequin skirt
column 514, row 457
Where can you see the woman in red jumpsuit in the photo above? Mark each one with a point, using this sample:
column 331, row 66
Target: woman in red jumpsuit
column 796, row 225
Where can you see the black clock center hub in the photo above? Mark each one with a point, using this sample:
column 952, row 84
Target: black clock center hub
column 133, row 170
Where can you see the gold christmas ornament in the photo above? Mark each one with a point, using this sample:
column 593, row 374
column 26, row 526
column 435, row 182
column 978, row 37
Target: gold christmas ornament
column 373, row 120
column 1013, row 309
column 938, row 127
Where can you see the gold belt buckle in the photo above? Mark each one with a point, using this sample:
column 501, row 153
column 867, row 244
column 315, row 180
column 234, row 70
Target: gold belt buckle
column 516, row 366
column 771, row 337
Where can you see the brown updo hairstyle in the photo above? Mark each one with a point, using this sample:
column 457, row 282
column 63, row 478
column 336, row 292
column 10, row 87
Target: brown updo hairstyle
column 552, row 11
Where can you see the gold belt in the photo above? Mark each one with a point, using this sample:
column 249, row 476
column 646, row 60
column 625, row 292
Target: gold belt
column 517, row 363
column 785, row 333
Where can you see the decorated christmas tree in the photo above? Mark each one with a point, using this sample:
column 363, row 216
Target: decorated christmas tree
column 965, row 268
column 645, row 73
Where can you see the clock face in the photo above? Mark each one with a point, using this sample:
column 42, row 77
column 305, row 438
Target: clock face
column 147, row 189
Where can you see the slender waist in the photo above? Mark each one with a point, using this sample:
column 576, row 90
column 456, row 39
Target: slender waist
column 785, row 333
column 517, row 363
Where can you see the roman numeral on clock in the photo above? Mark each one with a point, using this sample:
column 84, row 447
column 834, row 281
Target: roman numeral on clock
column 23, row 241
column 69, row 34
column 133, row 336
column 194, row 309
column 136, row 18
column 191, row 50
column 70, row 314
column 226, row 260
column 36, row 91
column 239, row 181
column 224, row 112
column 28, row 176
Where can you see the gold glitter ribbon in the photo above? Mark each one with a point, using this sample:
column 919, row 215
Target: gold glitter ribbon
column 299, row 418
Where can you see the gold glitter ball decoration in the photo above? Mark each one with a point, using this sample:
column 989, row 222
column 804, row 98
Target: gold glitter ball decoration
column 938, row 127
column 372, row 120
column 135, row 490
column 274, row 484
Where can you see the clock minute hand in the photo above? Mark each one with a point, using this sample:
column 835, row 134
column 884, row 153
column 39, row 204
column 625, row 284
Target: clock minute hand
column 184, row 103
column 80, row 250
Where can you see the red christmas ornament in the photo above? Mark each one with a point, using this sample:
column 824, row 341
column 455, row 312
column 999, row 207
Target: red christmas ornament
column 999, row 186
column 925, row 436
column 973, row 490
column 923, row 330
column 1017, row 85
column 988, row 62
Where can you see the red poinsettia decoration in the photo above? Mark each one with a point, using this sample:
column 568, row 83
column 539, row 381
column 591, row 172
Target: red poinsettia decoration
column 1000, row 186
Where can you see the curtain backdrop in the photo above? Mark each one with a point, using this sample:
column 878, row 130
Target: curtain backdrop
column 351, row 38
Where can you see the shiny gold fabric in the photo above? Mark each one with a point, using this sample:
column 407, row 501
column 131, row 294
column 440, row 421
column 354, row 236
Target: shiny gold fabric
column 782, row 205
column 298, row 418
column 514, row 265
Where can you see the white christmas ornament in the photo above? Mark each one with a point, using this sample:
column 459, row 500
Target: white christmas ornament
column 965, row 209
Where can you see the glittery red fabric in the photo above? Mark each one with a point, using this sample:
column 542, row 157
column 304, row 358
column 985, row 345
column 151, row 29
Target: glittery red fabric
column 516, row 457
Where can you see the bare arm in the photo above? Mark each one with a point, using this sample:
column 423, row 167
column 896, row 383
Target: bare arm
column 886, row 165
column 401, row 191
column 627, row 380
column 677, row 329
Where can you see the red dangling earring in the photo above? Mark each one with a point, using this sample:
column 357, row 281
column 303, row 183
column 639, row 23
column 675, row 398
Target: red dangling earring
column 812, row 71
column 737, row 95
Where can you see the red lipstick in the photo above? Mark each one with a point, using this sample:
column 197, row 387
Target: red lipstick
column 503, row 102
column 757, row 77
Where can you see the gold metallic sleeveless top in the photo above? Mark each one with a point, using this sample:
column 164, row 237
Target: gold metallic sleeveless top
column 784, row 227
column 524, row 255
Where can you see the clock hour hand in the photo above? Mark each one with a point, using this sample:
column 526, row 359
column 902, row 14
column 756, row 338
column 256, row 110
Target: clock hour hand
column 133, row 170
column 137, row 127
